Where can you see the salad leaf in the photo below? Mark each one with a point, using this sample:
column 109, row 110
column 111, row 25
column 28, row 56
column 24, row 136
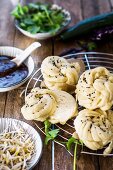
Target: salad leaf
column 53, row 133
column 70, row 142
column 75, row 157
column 18, row 11
column 39, row 15
column 50, row 134
column 76, row 142
column 47, row 126
column 33, row 6
column 91, row 46
column 33, row 29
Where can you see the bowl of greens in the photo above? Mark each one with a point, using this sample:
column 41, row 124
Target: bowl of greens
column 41, row 20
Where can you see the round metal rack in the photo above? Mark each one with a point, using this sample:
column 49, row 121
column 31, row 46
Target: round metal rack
column 91, row 60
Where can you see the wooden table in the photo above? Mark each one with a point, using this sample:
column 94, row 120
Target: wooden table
column 10, row 102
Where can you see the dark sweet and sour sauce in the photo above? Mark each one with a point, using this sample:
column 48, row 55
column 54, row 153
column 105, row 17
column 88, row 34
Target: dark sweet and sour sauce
column 14, row 75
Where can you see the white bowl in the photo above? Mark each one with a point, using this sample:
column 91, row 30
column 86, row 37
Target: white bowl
column 13, row 51
column 9, row 124
column 43, row 36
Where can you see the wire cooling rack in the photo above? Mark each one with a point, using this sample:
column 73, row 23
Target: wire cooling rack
column 91, row 60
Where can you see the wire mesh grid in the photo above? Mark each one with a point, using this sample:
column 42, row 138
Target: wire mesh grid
column 91, row 60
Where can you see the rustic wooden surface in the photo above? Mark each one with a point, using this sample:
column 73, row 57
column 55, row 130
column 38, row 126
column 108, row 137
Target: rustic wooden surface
column 10, row 102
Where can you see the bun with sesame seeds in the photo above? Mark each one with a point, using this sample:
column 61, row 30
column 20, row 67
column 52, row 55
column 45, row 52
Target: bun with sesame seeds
column 55, row 105
column 95, row 89
column 95, row 129
column 60, row 74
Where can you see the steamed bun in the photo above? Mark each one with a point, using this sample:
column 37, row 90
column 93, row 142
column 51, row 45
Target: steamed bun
column 55, row 105
column 95, row 128
column 59, row 74
column 95, row 89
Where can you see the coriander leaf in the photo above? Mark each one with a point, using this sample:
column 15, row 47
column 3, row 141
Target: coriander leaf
column 15, row 13
column 47, row 126
column 50, row 134
column 70, row 142
column 91, row 46
column 75, row 157
column 33, row 29
column 33, row 6
column 47, row 139
column 81, row 142
column 28, row 21
column 18, row 12
column 25, row 9
column 53, row 133
column 39, row 15
column 48, row 16
column 22, row 25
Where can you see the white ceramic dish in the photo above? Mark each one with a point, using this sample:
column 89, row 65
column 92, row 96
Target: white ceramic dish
column 43, row 36
column 12, row 51
column 9, row 124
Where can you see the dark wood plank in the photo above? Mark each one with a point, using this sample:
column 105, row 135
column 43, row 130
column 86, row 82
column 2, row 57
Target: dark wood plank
column 2, row 103
column 104, row 6
column 12, row 104
column 105, row 162
column 111, row 3
column 6, row 39
column 89, row 8
column 22, row 42
column 74, row 7
column 87, row 162
column 7, row 29
column 63, row 160
column 84, row 162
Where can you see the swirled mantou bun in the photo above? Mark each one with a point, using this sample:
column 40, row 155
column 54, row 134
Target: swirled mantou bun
column 95, row 128
column 66, row 107
column 39, row 105
column 56, row 105
column 95, row 89
column 59, row 74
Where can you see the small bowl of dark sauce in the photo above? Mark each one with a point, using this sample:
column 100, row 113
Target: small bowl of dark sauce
column 16, row 76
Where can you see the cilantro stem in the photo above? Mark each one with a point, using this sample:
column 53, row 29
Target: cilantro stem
column 75, row 157
column 47, row 14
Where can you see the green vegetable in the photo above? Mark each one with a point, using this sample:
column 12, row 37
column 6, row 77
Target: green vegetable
column 69, row 144
column 50, row 134
column 39, row 18
column 71, row 141
column 75, row 157
column 91, row 46
column 47, row 126
column 87, row 25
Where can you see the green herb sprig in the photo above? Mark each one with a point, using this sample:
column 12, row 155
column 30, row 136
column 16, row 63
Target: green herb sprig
column 39, row 18
column 69, row 144
column 52, row 134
